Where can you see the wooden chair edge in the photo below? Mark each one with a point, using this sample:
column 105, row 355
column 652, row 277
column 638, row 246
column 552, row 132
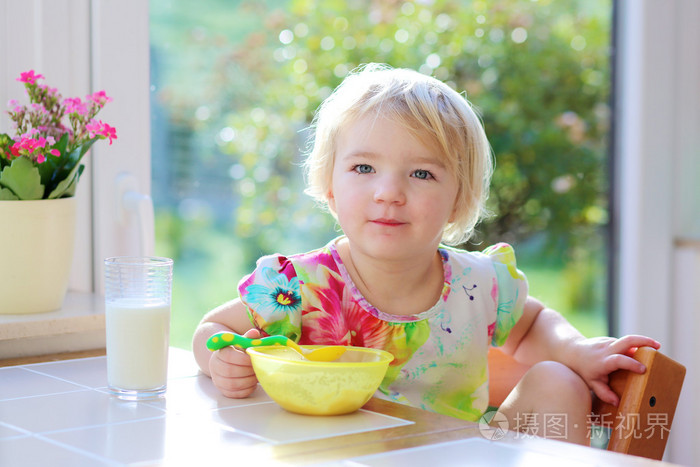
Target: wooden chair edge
column 635, row 392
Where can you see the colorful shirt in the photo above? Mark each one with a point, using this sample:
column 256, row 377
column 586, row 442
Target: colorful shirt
column 440, row 354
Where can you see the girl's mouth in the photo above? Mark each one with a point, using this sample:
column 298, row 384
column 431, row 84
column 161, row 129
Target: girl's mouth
column 387, row 222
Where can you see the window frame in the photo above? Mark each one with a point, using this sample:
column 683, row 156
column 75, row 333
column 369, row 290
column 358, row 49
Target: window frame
column 657, row 239
column 80, row 46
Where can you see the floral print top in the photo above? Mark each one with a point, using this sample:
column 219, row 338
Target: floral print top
column 440, row 354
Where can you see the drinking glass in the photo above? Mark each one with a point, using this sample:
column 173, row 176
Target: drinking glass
column 137, row 319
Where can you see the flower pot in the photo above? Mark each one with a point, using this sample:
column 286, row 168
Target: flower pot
column 36, row 252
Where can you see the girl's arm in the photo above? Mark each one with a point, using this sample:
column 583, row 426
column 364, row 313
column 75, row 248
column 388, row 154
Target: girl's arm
column 231, row 316
column 543, row 334
column 540, row 334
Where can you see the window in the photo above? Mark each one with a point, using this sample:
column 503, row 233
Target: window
column 234, row 85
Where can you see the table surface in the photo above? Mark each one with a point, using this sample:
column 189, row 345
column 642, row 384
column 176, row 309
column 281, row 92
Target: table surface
column 59, row 413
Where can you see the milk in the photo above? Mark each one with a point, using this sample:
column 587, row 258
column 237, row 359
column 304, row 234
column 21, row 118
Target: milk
column 137, row 343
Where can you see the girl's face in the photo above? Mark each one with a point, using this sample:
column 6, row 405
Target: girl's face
column 390, row 192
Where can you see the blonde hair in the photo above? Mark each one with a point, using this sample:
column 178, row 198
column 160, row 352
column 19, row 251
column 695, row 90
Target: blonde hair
column 428, row 108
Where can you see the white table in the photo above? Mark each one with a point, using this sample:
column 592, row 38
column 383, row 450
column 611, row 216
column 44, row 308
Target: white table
column 60, row 414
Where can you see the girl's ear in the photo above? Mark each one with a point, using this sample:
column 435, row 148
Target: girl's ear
column 453, row 214
column 330, row 199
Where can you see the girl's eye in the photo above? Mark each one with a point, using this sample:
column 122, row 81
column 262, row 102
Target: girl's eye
column 423, row 174
column 363, row 168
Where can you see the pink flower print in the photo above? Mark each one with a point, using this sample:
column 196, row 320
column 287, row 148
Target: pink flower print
column 491, row 329
column 55, row 152
column 29, row 77
column 323, row 319
column 40, row 158
column 330, row 314
column 447, row 273
column 342, row 321
column 372, row 332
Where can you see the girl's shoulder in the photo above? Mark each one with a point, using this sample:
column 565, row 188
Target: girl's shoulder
column 498, row 256
column 499, row 252
column 301, row 264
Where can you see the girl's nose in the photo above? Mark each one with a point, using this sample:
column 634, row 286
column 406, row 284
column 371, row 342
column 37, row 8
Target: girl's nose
column 390, row 190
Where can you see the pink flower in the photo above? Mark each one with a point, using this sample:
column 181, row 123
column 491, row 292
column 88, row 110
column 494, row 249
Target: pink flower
column 110, row 132
column 49, row 91
column 93, row 127
column 99, row 128
column 75, row 106
column 14, row 105
column 29, row 77
column 46, row 119
column 26, row 145
column 29, row 134
column 100, row 98
column 29, row 144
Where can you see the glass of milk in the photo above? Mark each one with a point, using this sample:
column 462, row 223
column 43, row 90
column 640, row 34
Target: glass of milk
column 137, row 315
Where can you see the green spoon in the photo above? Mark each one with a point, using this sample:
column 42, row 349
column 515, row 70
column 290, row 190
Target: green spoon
column 323, row 354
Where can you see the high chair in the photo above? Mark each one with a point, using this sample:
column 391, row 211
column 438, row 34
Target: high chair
column 640, row 425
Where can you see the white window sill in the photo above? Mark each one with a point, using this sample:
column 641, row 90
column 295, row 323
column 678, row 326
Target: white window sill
column 79, row 325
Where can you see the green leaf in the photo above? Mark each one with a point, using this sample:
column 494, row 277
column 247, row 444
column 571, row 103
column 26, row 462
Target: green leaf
column 50, row 169
column 70, row 189
column 7, row 195
column 62, row 143
column 5, row 142
column 78, row 152
column 68, row 185
column 23, row 178
column 67, row 165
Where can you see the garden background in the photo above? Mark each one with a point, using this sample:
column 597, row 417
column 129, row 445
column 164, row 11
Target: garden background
column 235, row 85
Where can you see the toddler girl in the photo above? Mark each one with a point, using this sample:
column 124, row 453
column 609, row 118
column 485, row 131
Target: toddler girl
column 402, row 162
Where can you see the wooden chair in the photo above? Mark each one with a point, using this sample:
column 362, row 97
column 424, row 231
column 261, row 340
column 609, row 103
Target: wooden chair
column 640, row 425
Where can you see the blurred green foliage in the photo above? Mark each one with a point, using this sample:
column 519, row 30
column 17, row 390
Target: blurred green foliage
column 242, row 80
column 538, row 72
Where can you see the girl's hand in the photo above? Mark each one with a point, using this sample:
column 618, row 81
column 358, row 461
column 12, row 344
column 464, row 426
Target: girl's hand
column 232, row 372
column 594, row 359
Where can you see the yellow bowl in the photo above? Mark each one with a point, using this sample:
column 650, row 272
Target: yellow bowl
column 319, row 388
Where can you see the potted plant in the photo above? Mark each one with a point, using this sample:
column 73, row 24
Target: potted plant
column 40, row 166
